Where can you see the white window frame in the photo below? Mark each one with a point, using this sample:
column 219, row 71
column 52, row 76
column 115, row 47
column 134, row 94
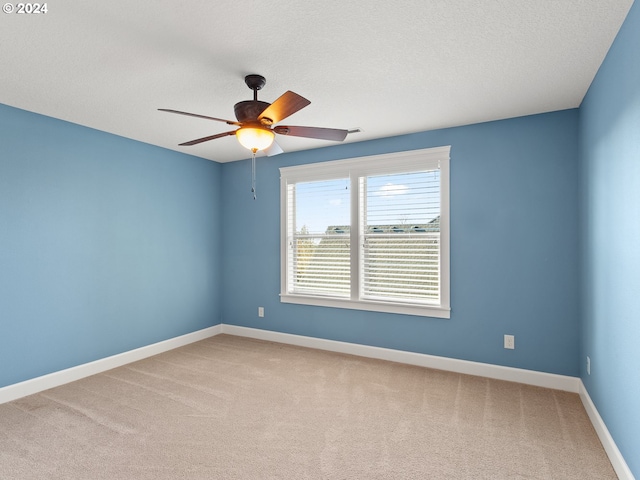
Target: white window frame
column 354, row 168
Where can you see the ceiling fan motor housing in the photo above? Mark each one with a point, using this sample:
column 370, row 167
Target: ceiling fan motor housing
column 249, row 110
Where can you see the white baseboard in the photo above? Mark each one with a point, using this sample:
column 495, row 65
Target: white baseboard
column 529, row 377
column 55, row 379
column 615, row 457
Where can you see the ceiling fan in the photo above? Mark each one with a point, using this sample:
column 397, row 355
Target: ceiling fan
column 257, row 120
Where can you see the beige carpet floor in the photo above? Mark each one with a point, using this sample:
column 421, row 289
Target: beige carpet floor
column 235, row 408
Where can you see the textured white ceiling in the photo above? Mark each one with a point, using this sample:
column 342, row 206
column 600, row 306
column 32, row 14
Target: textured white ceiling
column 388, row 67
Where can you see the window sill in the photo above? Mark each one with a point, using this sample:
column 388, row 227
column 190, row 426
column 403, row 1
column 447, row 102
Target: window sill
column 372, row 306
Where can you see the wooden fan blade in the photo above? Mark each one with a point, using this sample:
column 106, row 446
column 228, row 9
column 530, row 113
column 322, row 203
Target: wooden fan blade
column 229, row 122
column 206, row 139
column 312, row 132
column 274, row 149
column 287, row 104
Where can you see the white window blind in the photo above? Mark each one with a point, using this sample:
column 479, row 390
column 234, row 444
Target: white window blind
column 319, row 239
column 369, row 233
column 400, row 225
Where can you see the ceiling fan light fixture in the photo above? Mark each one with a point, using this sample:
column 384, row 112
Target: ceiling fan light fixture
column 255, row 138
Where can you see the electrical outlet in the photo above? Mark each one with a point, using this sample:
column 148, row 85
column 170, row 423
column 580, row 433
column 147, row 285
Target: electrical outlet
column 261, row 311
column 510, row 342
column 588, row 365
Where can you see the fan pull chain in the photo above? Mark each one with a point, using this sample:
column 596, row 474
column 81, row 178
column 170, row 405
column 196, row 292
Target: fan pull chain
column 253, row 173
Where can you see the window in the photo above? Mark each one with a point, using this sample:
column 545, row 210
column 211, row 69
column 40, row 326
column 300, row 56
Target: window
column 369, row 233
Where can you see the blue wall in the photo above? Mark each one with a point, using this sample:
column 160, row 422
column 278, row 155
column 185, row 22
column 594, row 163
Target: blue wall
column 610, row 200
column 106, row 244
column 514, row 255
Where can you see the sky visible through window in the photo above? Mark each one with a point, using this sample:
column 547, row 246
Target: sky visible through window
column 398, row 199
